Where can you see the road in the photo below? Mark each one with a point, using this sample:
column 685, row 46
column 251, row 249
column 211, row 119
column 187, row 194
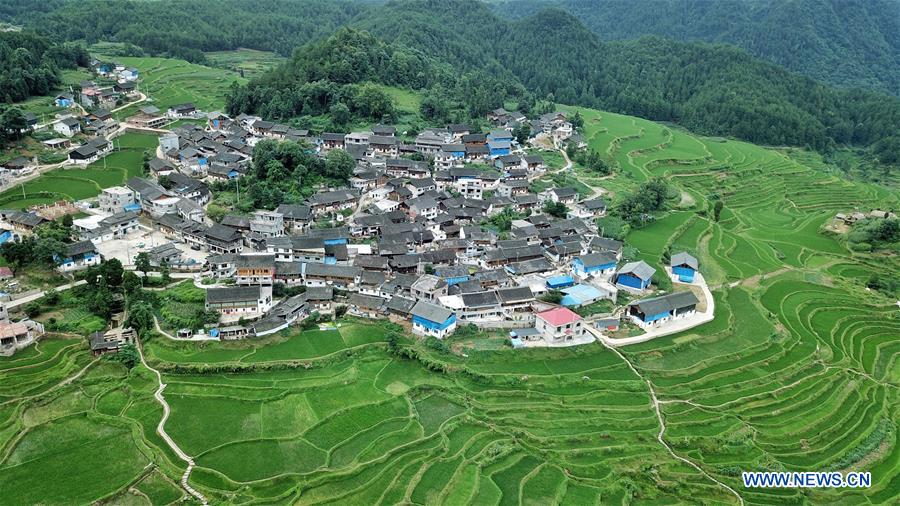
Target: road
column 25, row 300
column 161, row 429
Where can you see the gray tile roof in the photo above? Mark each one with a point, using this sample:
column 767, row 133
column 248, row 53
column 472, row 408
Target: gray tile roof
column 431, row 312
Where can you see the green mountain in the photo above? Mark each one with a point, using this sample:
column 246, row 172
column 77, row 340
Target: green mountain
column 842, row 42
column 714, row 89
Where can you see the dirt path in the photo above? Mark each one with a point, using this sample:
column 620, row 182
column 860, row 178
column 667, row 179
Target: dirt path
column 662, row 428
column 161, row 429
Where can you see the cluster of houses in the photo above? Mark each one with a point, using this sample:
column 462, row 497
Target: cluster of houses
column 409, row 238
column 875, row 214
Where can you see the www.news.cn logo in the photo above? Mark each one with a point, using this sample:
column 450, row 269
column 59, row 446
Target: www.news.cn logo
column 807, row 480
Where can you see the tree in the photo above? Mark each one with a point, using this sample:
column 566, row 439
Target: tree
column 142, row 263
column 140, row 316
column 340, row 115
column 717, row 209
column 339, row 165
column 552, row 296
column 67, row 220
column 556, row 209
column 113, row 271
column 127, row 355
column 522, row 133
column 131, row 282
column 164, row 270
column 576, row 120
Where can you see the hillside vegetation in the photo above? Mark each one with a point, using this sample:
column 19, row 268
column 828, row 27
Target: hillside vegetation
column 712, row 89
column 854, row 43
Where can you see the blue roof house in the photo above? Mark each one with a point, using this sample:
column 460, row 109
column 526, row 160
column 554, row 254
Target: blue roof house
column 559, row 282
column 499, row 148
column 594, row 264
column 580, row 295
column 635, row 275
column 432, row 320
column 684, row 266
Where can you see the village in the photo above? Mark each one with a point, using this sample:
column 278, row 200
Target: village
column 405, row 240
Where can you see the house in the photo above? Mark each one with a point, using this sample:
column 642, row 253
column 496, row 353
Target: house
column 24, row 223
column 17, row 164
column 600, row 244
column 116, row 199
column 534, row 163
column 110, row 341
column 17, row 335
column 223, row 239
column 79, row 255
column 330, row 140
column 120, row 224
column 583, row 294
column 181, row 111
column 611, row 324
column 684, row 266
column 254, row 269
column 594, row 264
column 498, row 148
column 559, row 325
column 366, row 306
column 166, row 253
column 153, row 198
column 239, row 299
column 429, row 287
column 564, row 195
column 295, row 217
column 659, row 310
column 453, row 274
column 90, row 151
column 67, row 126
column 160, row 167
column 343, row 276
column 332, row 201
column 635, row 275
column 400, row 306
column 64, row 100
column 432, row 320
column 593, row 208
column 319, row 298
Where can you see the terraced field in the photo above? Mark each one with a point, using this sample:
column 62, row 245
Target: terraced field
column 170, row 82
column 798, row 371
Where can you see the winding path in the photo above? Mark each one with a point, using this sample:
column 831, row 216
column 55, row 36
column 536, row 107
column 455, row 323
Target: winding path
column 662, row 427
column 161, row 430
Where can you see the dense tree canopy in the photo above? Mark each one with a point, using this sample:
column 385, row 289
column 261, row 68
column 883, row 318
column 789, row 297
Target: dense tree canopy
column 29, row 64
column 842, row 42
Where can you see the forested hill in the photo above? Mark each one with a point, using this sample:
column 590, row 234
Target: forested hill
column 30, row 64
column 842, row 42
column 712, row 89
column 186, row 28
